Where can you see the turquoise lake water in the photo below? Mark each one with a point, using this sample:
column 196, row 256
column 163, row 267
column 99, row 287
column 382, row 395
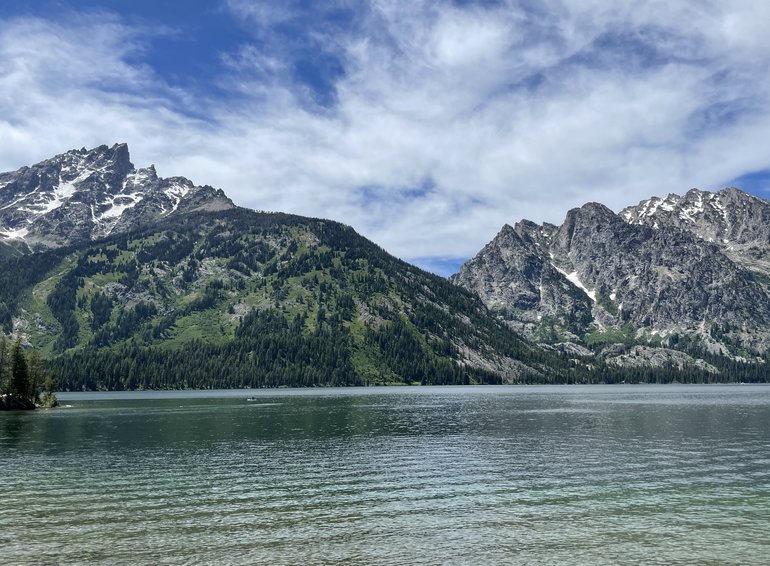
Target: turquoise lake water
column 433, row 475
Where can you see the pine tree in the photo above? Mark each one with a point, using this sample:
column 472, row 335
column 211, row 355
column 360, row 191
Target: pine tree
column 5, row 369
column 19, row 370
column 34, row 375
column 48, row 397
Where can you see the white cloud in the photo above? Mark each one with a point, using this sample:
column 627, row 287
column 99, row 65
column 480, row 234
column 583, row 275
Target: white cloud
column 513, row 111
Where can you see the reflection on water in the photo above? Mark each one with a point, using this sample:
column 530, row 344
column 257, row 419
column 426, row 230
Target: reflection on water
column 403, row 475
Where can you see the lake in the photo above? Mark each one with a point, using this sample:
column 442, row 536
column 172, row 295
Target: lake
column 403, row 475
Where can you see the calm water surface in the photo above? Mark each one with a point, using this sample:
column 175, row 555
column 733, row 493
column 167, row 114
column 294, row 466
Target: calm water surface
column 572, row 475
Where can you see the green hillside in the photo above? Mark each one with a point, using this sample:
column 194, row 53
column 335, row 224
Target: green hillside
column 241, row 298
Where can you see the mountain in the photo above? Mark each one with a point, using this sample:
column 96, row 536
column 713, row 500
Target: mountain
column 239, row 298
column 683, row 272
column 143, row 282
column 84, row 194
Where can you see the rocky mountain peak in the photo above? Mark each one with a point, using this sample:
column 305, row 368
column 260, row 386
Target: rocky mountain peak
column 538, row 234
column 592, row 213
column 506, row 234
column 677, row 264
column 697, row 211
column 592, row 220
column 115, row 159
column 85, row 194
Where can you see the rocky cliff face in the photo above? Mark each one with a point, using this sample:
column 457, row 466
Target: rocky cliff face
column 515, row 278
column 677, row 265
column 84, row 194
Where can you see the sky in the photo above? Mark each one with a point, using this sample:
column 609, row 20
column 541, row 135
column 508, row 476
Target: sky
column 425, row 125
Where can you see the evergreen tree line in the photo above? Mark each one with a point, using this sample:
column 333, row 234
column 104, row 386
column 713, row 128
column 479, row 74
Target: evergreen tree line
column 268, row 351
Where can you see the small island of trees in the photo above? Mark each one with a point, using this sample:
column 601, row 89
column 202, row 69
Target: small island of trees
column 24, row 381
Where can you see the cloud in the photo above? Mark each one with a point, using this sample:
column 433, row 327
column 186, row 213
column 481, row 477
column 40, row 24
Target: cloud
column 425, row 125
column 78, row 82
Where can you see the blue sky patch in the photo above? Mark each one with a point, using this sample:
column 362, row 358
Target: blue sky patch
column 756, row 182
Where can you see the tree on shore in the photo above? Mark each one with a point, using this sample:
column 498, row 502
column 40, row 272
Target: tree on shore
column 23, row 379
column 5, row 368
column 19, row 373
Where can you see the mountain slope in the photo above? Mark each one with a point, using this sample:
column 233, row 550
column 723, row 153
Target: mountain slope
column 140, row 281
column 236, row 298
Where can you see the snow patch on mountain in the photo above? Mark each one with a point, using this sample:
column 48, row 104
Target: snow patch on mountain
column 140, row 177
column 13, row 203
column 696, row 208
column 716, row 202
column 176, row 191
column 573, row 278
column 119, row 204
column 17, row 234
column 648, row 208
column 63, row 192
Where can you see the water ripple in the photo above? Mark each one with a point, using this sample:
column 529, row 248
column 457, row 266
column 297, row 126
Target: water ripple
column 441, row 477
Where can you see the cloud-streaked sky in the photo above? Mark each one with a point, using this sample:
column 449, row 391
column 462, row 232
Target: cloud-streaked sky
column 426, row 125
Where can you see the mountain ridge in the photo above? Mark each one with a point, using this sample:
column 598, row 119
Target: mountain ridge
column 679, row 265
column 736, row 221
